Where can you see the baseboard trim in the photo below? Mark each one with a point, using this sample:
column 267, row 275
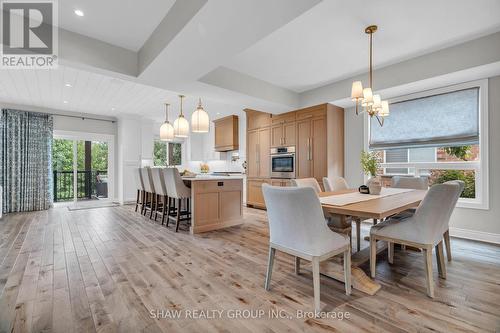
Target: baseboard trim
column 482, row 236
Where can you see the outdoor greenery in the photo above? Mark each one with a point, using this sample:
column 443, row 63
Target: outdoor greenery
column 62, row 155
column 161, row 148
column 467, row 176
column 370, row 163
column 461, row 152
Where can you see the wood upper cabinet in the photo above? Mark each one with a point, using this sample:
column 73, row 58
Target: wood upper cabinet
column 257, row 119
column 226, row 133
column 283, row 130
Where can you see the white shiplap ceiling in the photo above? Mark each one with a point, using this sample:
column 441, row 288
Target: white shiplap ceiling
column 328, row 43
column 94, row 93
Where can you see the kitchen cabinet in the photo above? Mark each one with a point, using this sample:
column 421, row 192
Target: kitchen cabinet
column 226, row 134
column 312, row 146
column 283, row 130
column 257, row 119
column 254, row 192
column 258, row 143
column 281, row 182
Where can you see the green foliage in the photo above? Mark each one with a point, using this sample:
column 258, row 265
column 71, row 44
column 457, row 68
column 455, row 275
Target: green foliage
column 160, row 153
column 462, row 152
column 370, row 163
column 468, row 177
column 175, row 154
column 62, row 155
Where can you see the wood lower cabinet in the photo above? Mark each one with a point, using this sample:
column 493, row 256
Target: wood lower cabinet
column 216, row 204
column 254, row 192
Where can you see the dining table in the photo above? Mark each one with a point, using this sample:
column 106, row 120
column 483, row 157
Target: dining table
column 348, row 206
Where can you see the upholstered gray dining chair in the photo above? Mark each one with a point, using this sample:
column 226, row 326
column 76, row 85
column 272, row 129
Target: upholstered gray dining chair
column 416, row 183
column 446, row 234
column 139, row 184
column 150, row 191
column 161, row 197
column 423, row 230
column 337, row 184
column 307, row 182
column 297, row 227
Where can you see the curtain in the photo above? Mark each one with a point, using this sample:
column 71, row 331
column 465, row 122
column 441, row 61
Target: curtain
column 26, row 169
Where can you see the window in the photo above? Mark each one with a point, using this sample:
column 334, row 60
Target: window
column 167, row 153
column 441, row 134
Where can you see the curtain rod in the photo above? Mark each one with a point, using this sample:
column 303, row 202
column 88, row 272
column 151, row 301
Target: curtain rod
column 82, row 117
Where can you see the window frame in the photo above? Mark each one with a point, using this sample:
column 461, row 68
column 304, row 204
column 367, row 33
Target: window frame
column 167, row 162
column 480, row 167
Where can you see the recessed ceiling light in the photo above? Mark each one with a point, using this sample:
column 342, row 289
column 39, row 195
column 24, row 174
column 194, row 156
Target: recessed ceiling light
column 68, row 85
column 65, row 102
column 78, row 12
column 113, row 109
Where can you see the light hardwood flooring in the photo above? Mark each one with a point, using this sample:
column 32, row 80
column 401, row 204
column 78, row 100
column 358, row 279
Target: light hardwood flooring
column 105, row 269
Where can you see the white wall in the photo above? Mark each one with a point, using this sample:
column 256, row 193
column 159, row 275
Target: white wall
column 465, row 222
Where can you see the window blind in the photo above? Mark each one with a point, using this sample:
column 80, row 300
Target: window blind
column 449, row 119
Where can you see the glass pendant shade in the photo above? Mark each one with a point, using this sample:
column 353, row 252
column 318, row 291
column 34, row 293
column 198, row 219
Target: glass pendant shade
column 166, row 129
column 356, row 91
column 181, row 127
column 200, row 122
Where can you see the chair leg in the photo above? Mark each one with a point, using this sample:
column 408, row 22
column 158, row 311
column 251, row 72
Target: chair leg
column 137, row 200
column 316, row 284
column 297, row 265
column 156, row 210
column 390, row 252
column 347, row 271
column 153, row 205
column 164, row 208
column 403, row 247
column 148, row 200
column 358, row 234
column 270, row 262
column 168, row 209
column 178, row 215
column 447, row 243
column 440, row 260
column 373, row 256
column 428, row 271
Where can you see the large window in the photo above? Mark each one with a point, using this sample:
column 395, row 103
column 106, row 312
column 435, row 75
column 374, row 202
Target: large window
column 441, row 134
column 167, row 153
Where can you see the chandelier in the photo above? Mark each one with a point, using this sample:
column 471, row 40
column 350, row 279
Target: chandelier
column 181, row 125
column 370, row 103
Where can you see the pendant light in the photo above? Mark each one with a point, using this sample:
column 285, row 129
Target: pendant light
column 370, row 103
column 200, row 121
column 166, row 129
column 181, row 125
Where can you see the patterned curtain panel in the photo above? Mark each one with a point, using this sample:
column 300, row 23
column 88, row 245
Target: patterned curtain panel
column 26, row 151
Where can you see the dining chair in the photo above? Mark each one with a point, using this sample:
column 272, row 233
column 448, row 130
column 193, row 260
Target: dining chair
column 161, row 197
column 446, row 234
column 297, row 227
column 177, row 190
column 149, row 189
column 423, row 230
column 140, row 189
column 307, row 182
column 416, row 183
column 336, row 222
column 338, row 184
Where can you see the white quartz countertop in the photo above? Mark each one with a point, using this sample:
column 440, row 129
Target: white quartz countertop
column 209, row 177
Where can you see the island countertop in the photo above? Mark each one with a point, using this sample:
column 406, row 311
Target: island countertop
column 209, row 177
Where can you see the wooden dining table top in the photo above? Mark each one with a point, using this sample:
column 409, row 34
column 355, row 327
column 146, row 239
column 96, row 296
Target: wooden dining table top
column 377, row 208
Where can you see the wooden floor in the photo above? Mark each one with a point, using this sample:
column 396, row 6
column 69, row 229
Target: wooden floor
column 106, row 269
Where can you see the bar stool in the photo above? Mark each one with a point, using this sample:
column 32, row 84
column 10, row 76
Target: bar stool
column 177, row 190
column 150, row 191
column 161, row 193
column 140, row 189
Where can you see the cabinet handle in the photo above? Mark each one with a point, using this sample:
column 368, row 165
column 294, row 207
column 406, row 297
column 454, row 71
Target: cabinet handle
column 284, row 140
column 309, row 153
column 311, row 149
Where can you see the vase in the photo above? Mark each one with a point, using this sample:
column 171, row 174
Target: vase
column 375, row 185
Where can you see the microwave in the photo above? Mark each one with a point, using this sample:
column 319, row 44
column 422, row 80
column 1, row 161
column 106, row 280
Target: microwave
column 282, row 161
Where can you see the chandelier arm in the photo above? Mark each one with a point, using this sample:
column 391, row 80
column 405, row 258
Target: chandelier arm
column 381, row 122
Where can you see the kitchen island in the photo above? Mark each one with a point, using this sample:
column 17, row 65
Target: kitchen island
column 217, row 202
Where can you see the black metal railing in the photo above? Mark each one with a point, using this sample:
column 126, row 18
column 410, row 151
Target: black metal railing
column 90, row 185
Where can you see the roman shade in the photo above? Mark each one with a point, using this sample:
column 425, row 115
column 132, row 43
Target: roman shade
column 449, row 119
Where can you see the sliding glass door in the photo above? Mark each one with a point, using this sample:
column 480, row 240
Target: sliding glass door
column 80, row 169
